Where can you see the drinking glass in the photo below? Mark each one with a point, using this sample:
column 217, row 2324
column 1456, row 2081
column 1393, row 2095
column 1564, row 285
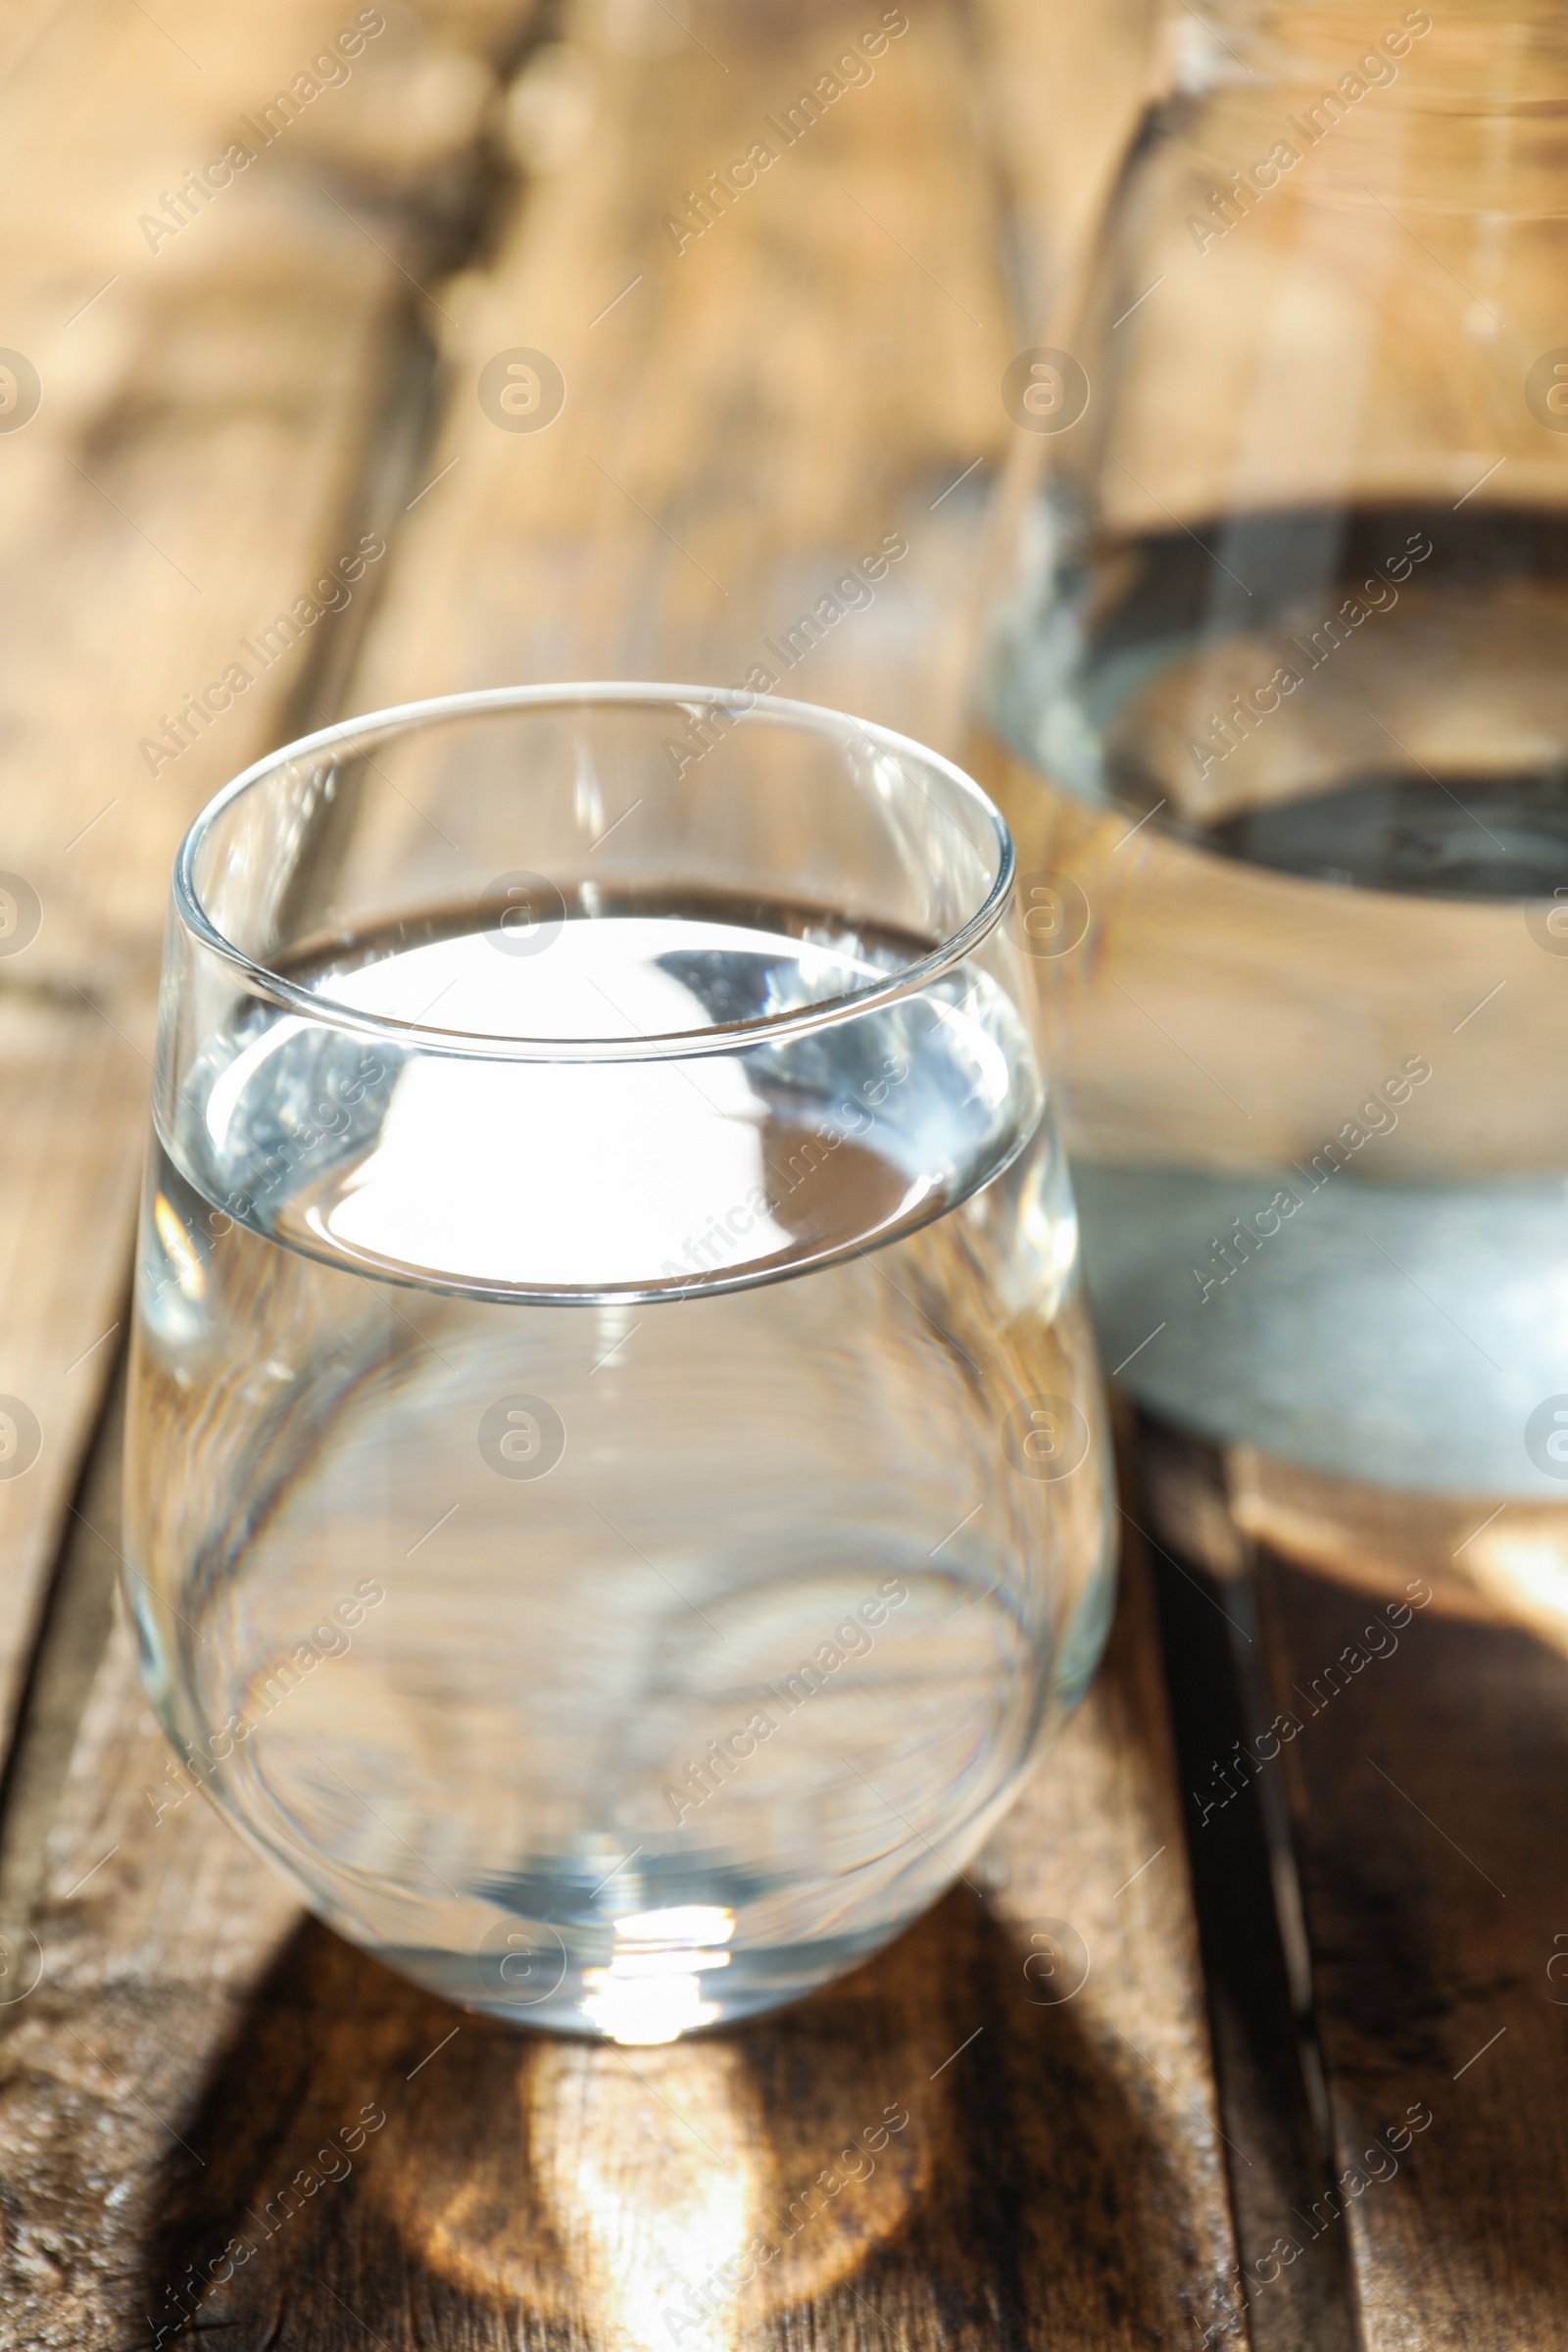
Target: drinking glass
column 1277, row 710
column 617, row 1486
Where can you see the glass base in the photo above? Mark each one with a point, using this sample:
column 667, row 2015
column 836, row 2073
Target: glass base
column 632, row 1991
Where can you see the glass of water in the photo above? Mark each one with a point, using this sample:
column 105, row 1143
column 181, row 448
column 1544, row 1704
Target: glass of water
column 618, row 1483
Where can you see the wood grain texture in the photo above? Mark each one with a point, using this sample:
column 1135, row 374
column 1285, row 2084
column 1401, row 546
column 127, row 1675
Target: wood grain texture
column 198, row 459
column 1404, row 1754
column 1064, row 89
column 748, row 410
column 1256, row 1968
column 191, row 467
column 1427, row 1795
column 73, row 1097
column 196, row 2045
column 817, row 371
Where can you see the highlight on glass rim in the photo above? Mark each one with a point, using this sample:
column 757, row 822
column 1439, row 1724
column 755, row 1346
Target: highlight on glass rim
column 783, row 1410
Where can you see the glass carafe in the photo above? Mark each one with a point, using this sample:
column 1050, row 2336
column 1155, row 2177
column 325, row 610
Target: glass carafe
column 1276, row 701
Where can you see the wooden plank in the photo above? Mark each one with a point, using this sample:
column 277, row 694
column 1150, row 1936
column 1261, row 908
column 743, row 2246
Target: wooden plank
column 195, row 2042
column 1256, row 1968
column 73, row 1097
column 196, row 463
column 1427, row 1791
column 1064, row 90
column 816, row 371
column 80, row 1615
column 745, row 413
column 1404, row 1739
column 189, row 469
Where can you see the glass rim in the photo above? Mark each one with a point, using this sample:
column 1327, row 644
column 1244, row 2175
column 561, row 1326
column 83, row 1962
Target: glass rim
column 817, row 719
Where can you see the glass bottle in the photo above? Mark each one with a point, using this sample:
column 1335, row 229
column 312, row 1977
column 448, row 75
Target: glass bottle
column 1276, row 702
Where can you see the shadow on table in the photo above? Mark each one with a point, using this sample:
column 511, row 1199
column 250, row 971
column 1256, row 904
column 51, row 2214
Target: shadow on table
column 378, row 2162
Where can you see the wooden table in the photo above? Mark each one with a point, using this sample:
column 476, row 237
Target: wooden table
column 1303, row 2085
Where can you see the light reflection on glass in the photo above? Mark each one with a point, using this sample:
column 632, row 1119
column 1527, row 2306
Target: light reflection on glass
column 652, row 1990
